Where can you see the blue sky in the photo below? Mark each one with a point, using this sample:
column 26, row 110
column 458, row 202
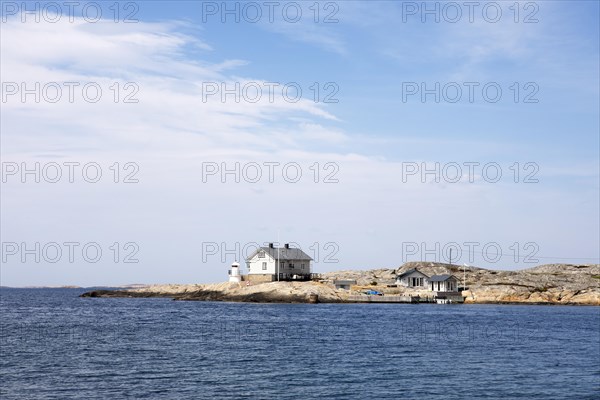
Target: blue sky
column 370, row 134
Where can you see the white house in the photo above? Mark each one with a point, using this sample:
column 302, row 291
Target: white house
column 283, row 263
column 443, row 283
column 413, row 278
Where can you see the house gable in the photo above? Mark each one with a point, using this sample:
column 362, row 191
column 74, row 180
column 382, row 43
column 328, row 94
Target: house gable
column 260, row 254
column 410, row 272
column 442, row 278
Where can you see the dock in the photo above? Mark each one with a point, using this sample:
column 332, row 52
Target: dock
column 362, row 298
column 439, row 298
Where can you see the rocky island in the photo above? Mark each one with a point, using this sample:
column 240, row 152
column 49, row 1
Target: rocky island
column 566, row 284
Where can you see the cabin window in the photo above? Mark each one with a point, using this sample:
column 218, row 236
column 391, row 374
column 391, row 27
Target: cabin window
column 261, row 254
column 264, row 266
column 416, row 281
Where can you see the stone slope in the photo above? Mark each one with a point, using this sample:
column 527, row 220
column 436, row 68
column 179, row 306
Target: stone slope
column 270, row 292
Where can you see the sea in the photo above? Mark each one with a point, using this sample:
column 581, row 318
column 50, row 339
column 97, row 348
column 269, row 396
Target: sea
column 56, row 345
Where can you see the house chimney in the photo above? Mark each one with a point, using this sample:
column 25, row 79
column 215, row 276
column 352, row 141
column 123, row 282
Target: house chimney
column 287, row 245
column 270, row 245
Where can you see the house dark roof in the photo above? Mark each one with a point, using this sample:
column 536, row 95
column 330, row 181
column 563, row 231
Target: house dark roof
column 344, row 282
column 284, row 254
column 440, row 278
column 410, row 271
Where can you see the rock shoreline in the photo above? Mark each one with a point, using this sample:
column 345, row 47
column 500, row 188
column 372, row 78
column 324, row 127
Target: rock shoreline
column 553, row 284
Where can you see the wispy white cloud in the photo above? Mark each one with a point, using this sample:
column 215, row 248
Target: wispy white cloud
column 172, row 111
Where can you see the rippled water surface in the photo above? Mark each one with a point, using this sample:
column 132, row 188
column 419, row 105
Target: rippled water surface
column 55, row 345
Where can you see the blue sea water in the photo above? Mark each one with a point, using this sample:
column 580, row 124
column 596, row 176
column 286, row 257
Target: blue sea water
column 55, row 345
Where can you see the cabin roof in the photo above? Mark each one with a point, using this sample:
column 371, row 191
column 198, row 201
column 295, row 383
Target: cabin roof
column 410, row 271
column 284, row 253
column 344, row 282
column 440, row 278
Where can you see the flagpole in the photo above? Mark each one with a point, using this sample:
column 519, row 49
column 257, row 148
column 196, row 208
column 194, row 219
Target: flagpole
column 277, row 267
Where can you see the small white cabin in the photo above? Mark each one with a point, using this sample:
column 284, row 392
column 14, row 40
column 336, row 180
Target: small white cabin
column 443, row 283
column 413, row 278
column 344, row 284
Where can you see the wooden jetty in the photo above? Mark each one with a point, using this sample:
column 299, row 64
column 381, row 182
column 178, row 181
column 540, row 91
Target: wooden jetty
column 363, row 298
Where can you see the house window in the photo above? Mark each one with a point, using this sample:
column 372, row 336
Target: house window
column 261, row 254
column 264, row 266
column 302, row 266
column 416, row 282
column 291, row 265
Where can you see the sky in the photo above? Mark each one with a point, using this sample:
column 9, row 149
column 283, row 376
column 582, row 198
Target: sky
column 158, row 142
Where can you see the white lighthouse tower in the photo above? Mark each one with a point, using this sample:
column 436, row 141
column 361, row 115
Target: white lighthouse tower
column 234, row 273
